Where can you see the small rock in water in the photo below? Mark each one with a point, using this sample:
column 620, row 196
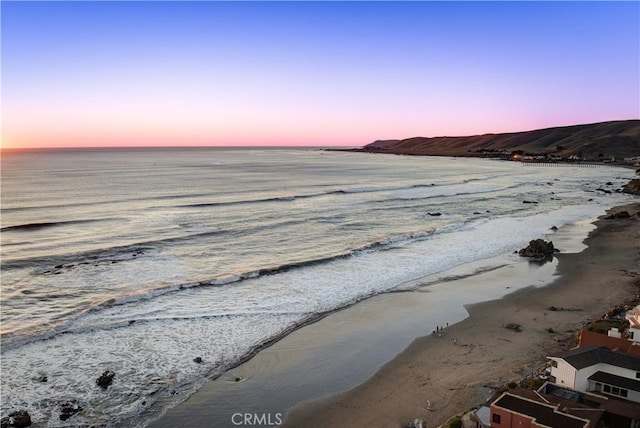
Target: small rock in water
column 18, row 419
column 197, row 360
column 105, row 379
column 69, row 408
column 554, row 228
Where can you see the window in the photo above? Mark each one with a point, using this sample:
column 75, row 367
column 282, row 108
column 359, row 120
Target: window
column 495, row 418
column 614, row 390
column 554, row 363
column 637, row 375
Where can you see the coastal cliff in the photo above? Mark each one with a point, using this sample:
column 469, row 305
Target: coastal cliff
column 597, row 141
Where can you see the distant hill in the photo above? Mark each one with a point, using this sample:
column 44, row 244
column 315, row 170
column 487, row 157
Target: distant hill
column 593, row 141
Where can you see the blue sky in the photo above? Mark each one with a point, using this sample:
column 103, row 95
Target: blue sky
column 310, row 73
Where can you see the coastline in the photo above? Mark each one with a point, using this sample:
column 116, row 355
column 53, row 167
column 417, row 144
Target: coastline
column 361, row 343
column 435, row 379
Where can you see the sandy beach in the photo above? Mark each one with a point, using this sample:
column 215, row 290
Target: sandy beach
column 363, row 366
column 453, row 377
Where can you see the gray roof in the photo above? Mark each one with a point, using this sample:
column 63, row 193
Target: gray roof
column 611, row 379
column 591, row 355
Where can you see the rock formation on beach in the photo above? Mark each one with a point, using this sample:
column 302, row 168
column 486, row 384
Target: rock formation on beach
column 632, row 187
column 538, row 249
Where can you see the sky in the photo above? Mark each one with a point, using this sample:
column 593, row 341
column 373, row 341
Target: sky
column 309, row 73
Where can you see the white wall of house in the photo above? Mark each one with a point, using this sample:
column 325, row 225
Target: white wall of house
column 567, row 375
column 601, row 388
column 634, row 335
column 564, row 373
column 633, row 396
column 581, row 376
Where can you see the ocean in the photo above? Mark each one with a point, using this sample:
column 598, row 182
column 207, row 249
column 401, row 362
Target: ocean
column 139, row 261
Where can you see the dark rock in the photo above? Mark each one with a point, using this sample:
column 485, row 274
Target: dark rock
column 590, row 200
column 538, row 249
column 43, row 378
column 554, row 228
column 197, row 360
column 550, row 330
column 416, row 423
column 69, row 408
column 476, row 213
column 18, row 419
column 552, row 308
column 632, row 187
column 105, row 379
column 603, row 190
column 529, row 202
column 434, row 214
column 620, row 214
column 514, row 327
column 609, row 183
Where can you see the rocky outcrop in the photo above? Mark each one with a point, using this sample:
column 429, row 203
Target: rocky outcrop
column 105, row 379
column 18, row 419
column 538, row 249
column 621, row 214
column 68, row 409
column 632, row 187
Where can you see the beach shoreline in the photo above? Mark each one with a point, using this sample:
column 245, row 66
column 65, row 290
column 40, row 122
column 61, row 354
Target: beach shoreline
column 269, row 370
column 435, row 379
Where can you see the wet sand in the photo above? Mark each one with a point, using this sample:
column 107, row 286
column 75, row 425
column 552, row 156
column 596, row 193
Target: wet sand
column 364, row 366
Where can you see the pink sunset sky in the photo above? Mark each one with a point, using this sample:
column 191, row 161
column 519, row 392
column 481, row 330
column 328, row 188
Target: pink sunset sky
column 310, row 73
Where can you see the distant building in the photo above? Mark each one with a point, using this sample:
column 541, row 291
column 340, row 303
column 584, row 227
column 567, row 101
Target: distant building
column 633, row 316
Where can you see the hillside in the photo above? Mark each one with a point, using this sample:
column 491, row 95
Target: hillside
column 603, row 140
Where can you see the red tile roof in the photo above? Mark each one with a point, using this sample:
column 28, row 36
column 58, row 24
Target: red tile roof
column 590, row 338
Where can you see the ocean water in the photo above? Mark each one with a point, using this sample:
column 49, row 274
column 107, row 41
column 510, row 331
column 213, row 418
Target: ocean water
column 139, row 261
